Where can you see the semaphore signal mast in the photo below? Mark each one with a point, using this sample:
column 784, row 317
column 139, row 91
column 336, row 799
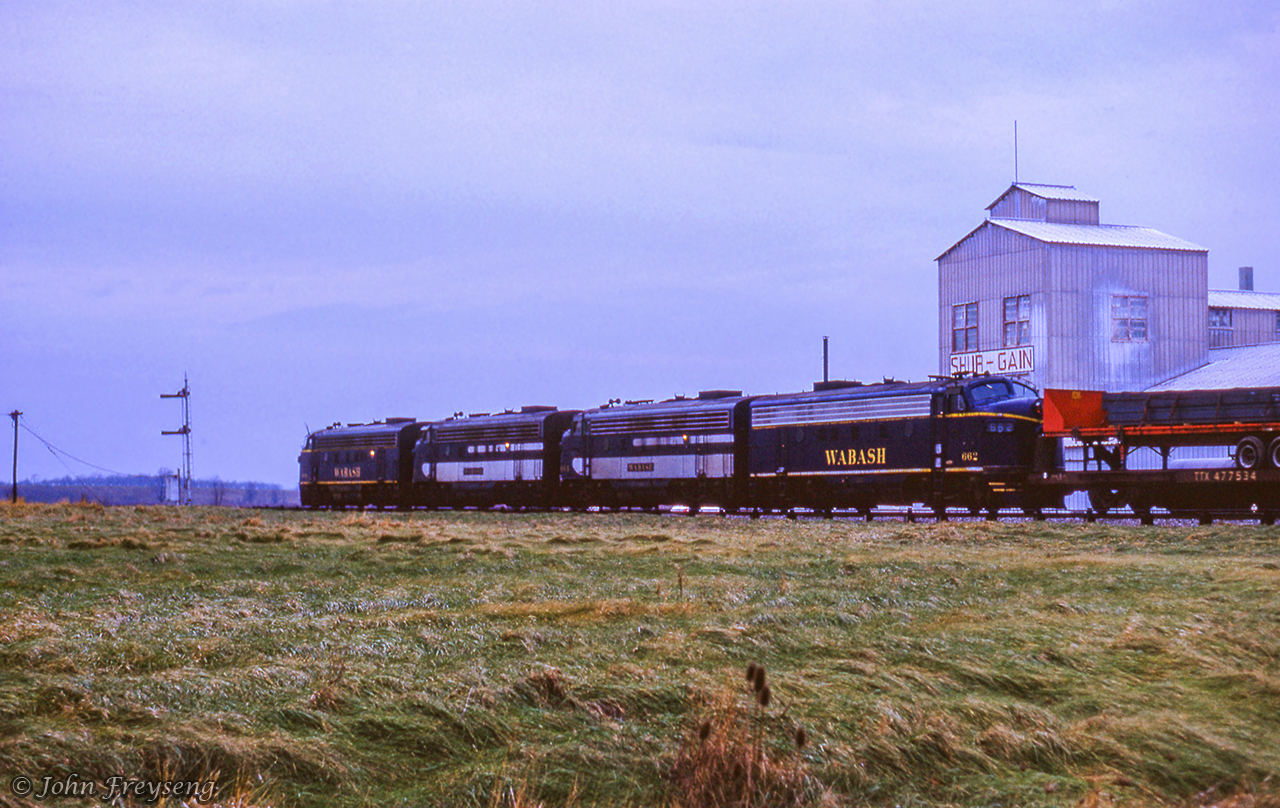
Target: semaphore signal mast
column 184, row 479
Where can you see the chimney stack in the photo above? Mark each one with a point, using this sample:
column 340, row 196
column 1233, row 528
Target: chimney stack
column 1246, row 279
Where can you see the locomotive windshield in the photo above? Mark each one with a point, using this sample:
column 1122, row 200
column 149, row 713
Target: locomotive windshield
column 998, row 390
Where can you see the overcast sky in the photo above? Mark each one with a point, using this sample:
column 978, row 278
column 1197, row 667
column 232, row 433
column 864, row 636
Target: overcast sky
column 341, row 211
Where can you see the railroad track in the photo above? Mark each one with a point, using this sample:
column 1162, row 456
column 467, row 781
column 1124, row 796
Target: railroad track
column 905, row 515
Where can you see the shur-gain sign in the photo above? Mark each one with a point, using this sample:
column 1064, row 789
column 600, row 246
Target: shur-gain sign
column 1006, row 360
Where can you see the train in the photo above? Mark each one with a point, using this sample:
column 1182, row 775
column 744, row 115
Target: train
column 948, row 442
column 980, row 443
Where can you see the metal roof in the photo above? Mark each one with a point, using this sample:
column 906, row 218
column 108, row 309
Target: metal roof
column 1064, row 193
column 1097, row 235
column 1240, row 299
column 1244, row 366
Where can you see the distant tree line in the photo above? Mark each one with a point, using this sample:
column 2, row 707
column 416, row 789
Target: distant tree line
column 142, row 489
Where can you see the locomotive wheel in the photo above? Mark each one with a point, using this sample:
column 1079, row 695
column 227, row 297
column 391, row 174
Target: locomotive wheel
column 1249, row 452
column 1273, row 453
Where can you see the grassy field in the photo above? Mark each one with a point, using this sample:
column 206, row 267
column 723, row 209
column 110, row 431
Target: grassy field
column 477, row 659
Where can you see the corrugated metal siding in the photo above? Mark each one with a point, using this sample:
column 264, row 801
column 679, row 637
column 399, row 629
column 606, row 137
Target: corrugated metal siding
column 1018, row 204
column 1082, row 282
column 1103, row 235
column 1240, row 299
column 1071, row 288
column 1072, row 212
column 1064, row 192
column 1254, row 326
column 1253, row 366
column 992, row 264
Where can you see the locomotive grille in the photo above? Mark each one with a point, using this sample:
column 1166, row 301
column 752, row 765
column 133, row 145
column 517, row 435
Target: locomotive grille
column 790, row 414
column 492, row 433
column 329, row 443
column 666, row 422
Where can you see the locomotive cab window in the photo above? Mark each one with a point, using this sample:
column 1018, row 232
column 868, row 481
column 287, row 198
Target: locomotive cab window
column 990, row 391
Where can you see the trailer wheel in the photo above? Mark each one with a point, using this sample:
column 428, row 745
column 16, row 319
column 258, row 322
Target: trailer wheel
column 1273, row 453
column 1103, row 500
column 1249, row 453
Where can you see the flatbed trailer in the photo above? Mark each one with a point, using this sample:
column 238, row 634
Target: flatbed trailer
column 1110, row 426
column 1246, row 418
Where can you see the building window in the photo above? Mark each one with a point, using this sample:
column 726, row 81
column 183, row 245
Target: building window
column 1128, row 318
column 964, row 328
column 1220, row 332
column 1017, row 320
column 1278, row 326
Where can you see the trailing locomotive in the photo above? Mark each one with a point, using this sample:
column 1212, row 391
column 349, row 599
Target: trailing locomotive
column 680, row 452
column 968, row 442
column 511, row 459
column 358, row 465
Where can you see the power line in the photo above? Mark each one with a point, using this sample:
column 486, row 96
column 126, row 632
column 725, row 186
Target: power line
column 59, row 453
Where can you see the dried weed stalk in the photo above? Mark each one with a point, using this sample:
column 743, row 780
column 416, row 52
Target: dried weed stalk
column 724, row 763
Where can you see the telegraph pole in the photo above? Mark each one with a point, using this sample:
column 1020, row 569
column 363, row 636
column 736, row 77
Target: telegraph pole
column 184, row 479
column 13, row 497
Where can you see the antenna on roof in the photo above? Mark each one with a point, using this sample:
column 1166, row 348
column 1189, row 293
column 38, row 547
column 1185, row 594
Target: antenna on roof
column 1015, row 152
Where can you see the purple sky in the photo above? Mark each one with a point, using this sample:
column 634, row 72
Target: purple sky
column 329, row 211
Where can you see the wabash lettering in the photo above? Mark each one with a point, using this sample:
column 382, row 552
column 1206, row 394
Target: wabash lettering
column 856, row 457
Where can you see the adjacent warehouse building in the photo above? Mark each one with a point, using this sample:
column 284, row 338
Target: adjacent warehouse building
column 1045, row 291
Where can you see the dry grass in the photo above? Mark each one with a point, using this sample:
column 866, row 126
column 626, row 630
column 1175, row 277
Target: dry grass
column 490, row 659
column 726, row 760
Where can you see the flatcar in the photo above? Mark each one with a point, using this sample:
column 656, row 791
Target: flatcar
column 1111, row 426
column 358, row 465
column 511, row 459
column 684, row 451
column 968, row 442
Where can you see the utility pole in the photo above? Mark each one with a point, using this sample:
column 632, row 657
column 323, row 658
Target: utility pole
column 13, row 497
column 184, row 478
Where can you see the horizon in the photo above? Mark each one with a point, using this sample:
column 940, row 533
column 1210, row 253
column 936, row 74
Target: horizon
column 352, row 211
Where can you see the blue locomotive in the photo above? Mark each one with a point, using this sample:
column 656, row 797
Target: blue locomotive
column 359, row 465
column 962, row 442
column 967, row 442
